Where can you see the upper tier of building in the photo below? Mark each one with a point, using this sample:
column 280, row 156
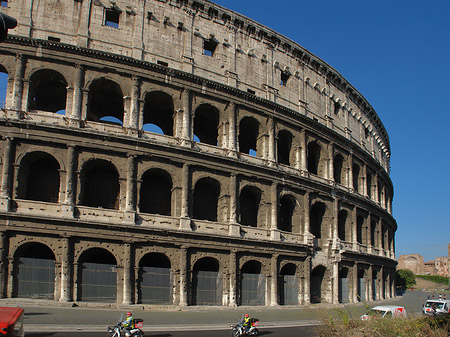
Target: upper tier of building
column 207, row 40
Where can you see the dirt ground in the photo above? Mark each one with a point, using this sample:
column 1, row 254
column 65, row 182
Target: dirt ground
column 429, row 285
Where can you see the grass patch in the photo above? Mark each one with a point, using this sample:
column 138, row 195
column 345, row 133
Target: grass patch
column 338, row 323
column 434, row 278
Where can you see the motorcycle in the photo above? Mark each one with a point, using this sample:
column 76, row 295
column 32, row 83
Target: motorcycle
column 239, row 330
column 118, row 331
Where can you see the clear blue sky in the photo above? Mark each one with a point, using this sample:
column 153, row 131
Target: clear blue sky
column 396, row 53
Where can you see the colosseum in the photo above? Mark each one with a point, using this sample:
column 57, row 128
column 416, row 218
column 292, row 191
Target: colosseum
column 175, row 152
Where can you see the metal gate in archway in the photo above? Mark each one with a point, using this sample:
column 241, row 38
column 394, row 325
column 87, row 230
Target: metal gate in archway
column 288, row 290
column 35, row 277
column 98, row 282
column 156, row 285
column 343, row 290
column 253, row 289
column 207, row 287
column 361, row 289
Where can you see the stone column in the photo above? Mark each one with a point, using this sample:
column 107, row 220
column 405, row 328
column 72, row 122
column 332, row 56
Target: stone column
column 127, row 282
column 274, row 280
column 274, row 232
column 183, row 276
column 130, row 208
column 10, row 286
column 233, row 127
column 68, row 205
column 234, row 228
column 303, row 166
column 350, row 173
column 133, row 121
column 65, row 271
column 370, row 285
column 335, row 282
column 307, row 285
column 233, row 279
column 18, row 83
column 272, row 146
column 355, row 283
column 330, row 174
column 307, row 203
column 185, row 222
column 3, row 264
column 186, row 132
column 7, row 173
column 355, row 230
column 77, row 104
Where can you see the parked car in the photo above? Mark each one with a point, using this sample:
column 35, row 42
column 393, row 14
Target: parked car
column 11, row 322
column 436, row 307
column 385, row 311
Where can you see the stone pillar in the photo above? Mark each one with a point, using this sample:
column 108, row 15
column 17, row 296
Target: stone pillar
column 364, row 181
column 303, row 166
column 186, row 132
column 330, row 174
column 335, row 282
column 274, row 232
column 234, row 228
column 18, row 83
column 183, row 276
column 355, row 283
column 7, row 173
column 307, row 285
column 233, row 127
column 370, row 285
column 3, row 264
column 133, row 121
column 130, row 208
column 127, row 282
column 274, row 280
column 355, row 230
column 10, row 286
column 350, row 172
column 233, row 278
column 77, row 104
column 185, row 222
column 307, row 208
column 68, row 205
column 272, row 147
column 65, row 271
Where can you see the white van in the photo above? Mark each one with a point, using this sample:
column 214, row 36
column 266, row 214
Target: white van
column 382, row 311
column 436, row 307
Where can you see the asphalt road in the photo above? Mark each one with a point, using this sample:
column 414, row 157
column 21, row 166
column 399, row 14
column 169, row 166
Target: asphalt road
column 308, row 331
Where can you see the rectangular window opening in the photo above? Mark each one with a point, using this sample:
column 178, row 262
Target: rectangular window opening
column 54, row 39
column 162, row 63
column 112, row 18
column 284, row 79
column 250, row 91
column 209, row 47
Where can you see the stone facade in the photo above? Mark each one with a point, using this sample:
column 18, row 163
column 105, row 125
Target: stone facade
column 413, row 262
column 266, row 181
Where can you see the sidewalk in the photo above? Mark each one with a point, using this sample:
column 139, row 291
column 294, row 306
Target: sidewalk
column 43, row 315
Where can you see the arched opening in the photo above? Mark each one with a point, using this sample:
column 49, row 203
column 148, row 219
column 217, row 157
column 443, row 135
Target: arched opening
column 47, row 92
column 316, row 218
column 34, row 271
column 100, row 185
column 361, row 286
column 155, row 279
column 249, row 201
column 375, row 285
column 206, row 124
column 342, row 223
column 253, row 284
column 284, row 144
column 316, row 284
column 356, row 172
column 156, row 192
column 206, row 282
column 338, row 169
column 359, row 229
column 288, row 285
column 287, row 206
column 206, row 198
column 314, row 153
column 158, row 113
column 97, row 276
column 3, row 86
column 105, row 102
column 248, row 135
column 344, row 290
column 39, row 178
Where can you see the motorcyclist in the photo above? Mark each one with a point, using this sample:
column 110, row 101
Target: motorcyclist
column 246, row 323
column 128, row 324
